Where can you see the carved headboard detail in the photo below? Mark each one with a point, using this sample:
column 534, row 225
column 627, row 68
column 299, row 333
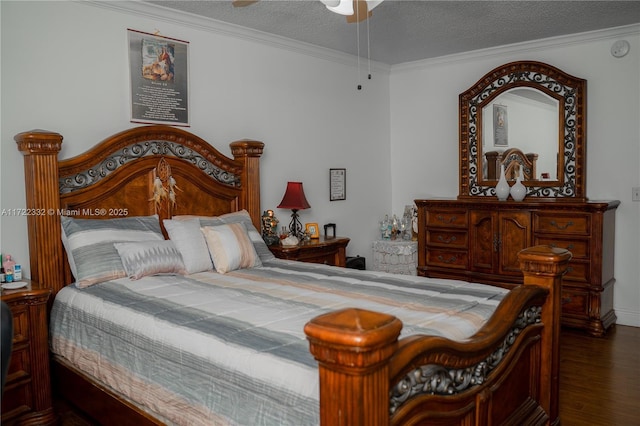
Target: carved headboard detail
column 116, row 178
column 512, row 159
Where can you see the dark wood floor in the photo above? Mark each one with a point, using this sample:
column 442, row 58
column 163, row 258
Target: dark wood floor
column 599, row 380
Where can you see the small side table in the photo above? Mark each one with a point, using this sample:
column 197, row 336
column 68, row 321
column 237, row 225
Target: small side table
column 27, row 392
column 395, row 256
column 330, row 251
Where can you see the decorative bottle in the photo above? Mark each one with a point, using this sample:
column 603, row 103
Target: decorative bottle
column 8, row 265
column 518, row 190
column 502, row 188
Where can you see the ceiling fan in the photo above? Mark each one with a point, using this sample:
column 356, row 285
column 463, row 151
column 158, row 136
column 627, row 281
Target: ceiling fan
column 354, row 10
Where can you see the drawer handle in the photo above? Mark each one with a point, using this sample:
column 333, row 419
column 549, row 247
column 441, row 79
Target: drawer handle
column 449, row 240
column 445, row 220
column 450, row 260
column 566, row 300
column 562, row 228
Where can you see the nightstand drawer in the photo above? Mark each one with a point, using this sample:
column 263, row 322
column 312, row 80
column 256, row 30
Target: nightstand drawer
column 325, row 258
column 20, row 324
column 16, row 400
column 20, row 365
column 330, row 251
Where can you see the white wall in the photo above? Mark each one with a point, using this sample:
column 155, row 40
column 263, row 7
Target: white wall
column 424, row 131
column 65, row 69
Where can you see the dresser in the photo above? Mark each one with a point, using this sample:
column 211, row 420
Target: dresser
column 330, row 251
column 479, row 239
column 27, row 392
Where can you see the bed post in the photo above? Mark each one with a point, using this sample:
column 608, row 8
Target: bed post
column 248, row 152
column 40, row 149
column 544, row 266
column 353, row 347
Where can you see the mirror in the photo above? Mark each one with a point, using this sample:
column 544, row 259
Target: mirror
column 525, row 115
column 526, row 119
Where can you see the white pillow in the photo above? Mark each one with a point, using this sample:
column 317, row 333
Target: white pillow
column 189, row 241
column 230, row 247
column 150, row 258
column 240, row 216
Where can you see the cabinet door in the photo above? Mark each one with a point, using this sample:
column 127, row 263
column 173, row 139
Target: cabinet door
column 515, row 235
column 483, row 241
column 495, row 240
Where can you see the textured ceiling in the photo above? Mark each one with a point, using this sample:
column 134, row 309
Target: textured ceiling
column 403, row 31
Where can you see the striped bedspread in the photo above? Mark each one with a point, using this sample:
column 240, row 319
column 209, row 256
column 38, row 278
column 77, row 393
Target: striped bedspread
column 209, row 349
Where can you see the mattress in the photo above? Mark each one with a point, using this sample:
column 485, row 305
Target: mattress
column 229, row 349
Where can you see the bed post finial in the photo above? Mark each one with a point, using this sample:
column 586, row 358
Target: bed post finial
column 40, row 149
column 248, row 153
column 352, row 347
column 544, row 266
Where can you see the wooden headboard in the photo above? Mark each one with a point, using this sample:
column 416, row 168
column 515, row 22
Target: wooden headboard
column 512, row 159
column 117, row 178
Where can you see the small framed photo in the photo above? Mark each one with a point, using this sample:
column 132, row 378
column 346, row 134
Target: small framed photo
column 500, row 125
column 337, row 184
column 312, row 229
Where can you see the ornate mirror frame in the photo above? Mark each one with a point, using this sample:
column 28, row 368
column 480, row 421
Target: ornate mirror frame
column 571, row 94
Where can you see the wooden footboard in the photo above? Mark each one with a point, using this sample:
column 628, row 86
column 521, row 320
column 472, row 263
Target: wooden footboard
column 507, row 373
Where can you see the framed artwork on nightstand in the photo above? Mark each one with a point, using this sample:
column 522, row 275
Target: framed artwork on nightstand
column 312, row 229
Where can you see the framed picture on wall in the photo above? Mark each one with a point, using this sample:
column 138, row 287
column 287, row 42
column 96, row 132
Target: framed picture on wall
column 337, row 184
column 159, row 79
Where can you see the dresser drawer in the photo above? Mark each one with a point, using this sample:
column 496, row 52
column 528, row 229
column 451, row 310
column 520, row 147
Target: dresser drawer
column 578, row 272
column 448, row 258
column 575, row 302
column 574, row 224
column 578, row 248
column 449, row 218
column 447, row 238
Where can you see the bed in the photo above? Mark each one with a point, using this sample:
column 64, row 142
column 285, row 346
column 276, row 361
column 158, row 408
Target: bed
column 162, row 341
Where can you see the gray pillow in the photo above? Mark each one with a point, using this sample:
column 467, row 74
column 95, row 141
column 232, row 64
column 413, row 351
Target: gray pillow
column 89, row 245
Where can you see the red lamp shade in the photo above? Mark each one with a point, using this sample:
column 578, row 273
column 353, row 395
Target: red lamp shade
column 294, row 198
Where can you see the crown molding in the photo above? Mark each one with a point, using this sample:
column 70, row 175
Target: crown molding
column 200, row 23
column 522, row 48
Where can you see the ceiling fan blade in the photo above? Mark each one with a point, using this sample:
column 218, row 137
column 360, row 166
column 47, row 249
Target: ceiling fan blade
column 360, row 12
column 243, row 3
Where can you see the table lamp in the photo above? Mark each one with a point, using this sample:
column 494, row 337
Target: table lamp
column 295, row 200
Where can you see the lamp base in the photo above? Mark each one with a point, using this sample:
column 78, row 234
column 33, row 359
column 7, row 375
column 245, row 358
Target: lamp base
column 295, row 227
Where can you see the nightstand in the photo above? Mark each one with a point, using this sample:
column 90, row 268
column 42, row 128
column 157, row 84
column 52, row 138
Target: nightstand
column 330, row 251
column 27, row 391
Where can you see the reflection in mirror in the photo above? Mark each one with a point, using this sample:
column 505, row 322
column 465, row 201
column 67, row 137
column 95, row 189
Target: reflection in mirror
column 525, row 119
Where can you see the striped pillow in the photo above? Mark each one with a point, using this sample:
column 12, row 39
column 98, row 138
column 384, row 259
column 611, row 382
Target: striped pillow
column 89, row 245
column 150, row 258
column 230, row 247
